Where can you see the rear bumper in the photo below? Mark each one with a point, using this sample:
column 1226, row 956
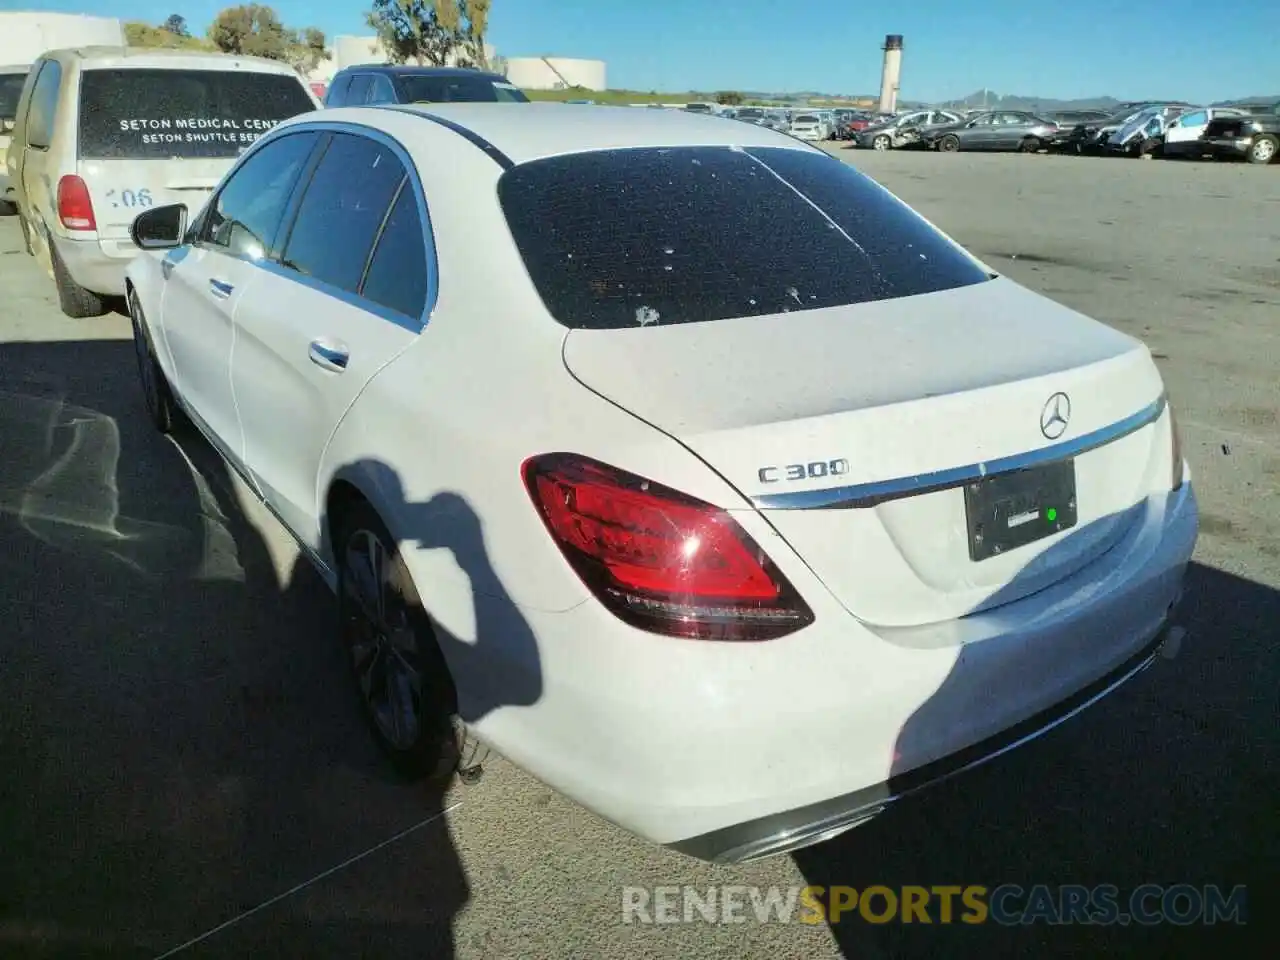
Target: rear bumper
column 97, row 265
column 729, row 752
column 806, row 826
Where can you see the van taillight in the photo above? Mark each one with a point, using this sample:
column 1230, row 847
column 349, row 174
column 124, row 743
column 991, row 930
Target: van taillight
column 661, row 560
column 75, row 208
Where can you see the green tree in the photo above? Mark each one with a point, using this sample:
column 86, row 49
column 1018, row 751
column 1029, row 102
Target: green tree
column 176, row 24
column 138, row 34
column 729, row 98
column 307, row 48
column 255, row 30
column 436, row 32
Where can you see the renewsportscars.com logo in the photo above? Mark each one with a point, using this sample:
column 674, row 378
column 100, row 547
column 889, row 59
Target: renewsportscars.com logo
column 1009, row 904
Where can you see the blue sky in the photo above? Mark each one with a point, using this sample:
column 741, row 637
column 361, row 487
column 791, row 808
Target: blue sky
column 1131, row 49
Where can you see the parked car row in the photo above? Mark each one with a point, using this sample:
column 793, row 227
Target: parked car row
column 1136, row 130
column 1249, row 132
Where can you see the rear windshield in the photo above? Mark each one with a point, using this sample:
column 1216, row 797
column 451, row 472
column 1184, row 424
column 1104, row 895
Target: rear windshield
column 458, row 89
column 148, row 114
column 10, row 90
column 620, row 238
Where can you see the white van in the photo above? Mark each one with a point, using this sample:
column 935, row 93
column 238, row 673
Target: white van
column 103, row 133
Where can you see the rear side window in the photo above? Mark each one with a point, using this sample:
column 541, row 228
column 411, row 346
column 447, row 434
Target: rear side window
column 154, row 114
column 44, row 104
column 338, row 92
column 10, row 91
column 342, row 211
column 397, row 275
column 624, row 238
column 358, row 92
column 457, row 88
column 380, row 90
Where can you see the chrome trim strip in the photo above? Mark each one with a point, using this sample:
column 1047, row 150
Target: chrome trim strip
column 870, row 494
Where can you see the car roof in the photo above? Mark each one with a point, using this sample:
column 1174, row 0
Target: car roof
column 531, row 131
column 156, row 57
column 15, row 68
column 411, row 70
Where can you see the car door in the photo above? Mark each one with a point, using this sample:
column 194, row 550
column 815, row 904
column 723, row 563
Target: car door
column 978, row 134
column 208, row 280
column 330, row 315
column 1007, row 131
column 1185, row 130
column 36, row 164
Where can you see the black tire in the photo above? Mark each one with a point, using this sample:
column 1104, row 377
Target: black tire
column 882, row 142
column 76, row 302
column 1264, row 149
column 1030, row 145
column 411, row 712
column 949, row 144
column 8, row 208
column 156, row 394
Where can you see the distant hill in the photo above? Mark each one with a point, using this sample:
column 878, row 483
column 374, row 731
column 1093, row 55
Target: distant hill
column 979, row 98
column 994, row 100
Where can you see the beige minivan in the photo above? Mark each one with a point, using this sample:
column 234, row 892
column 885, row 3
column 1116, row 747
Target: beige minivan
column 103, row 133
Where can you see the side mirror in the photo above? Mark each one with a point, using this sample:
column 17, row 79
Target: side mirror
column 160, row 228
column 7, row 125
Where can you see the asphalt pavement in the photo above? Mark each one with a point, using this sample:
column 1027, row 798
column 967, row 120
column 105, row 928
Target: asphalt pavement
column 186, row 772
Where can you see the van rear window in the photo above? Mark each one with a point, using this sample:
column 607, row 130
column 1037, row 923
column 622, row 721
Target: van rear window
column 10, row 90
column 634, row 237
column 156, row 114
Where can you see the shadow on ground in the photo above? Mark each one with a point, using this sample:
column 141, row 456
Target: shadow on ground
column 179, row 732
column 1171, row 780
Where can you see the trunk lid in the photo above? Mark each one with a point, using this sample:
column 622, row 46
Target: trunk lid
column 897, row 389
column 122, row 189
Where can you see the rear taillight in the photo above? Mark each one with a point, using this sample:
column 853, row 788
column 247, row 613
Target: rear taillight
column 75, row 208
column 659, row 559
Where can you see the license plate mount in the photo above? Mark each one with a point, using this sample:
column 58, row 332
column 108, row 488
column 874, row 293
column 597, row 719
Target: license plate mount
column 1013, row 509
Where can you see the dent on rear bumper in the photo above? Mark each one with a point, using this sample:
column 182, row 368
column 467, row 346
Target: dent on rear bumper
column 701, row 745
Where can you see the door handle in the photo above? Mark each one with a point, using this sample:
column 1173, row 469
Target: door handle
column 329, row 356
column 220, row 289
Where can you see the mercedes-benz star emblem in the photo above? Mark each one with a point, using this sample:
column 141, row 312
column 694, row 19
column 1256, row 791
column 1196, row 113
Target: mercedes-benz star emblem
column 1055, row 415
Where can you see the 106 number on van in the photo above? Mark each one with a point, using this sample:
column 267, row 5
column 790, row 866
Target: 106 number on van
column 130, row 199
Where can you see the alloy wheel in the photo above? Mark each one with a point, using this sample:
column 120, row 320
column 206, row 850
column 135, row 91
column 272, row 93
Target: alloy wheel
column 382, row 641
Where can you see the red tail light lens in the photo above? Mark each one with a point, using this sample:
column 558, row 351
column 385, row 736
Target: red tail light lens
column 659, row 559
column 75, row 208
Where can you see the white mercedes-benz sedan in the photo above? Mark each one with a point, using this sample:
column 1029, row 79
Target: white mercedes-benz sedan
column 672, row 458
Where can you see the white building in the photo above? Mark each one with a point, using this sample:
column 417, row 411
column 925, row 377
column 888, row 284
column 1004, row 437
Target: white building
column 556, row 73
column 24, row 35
